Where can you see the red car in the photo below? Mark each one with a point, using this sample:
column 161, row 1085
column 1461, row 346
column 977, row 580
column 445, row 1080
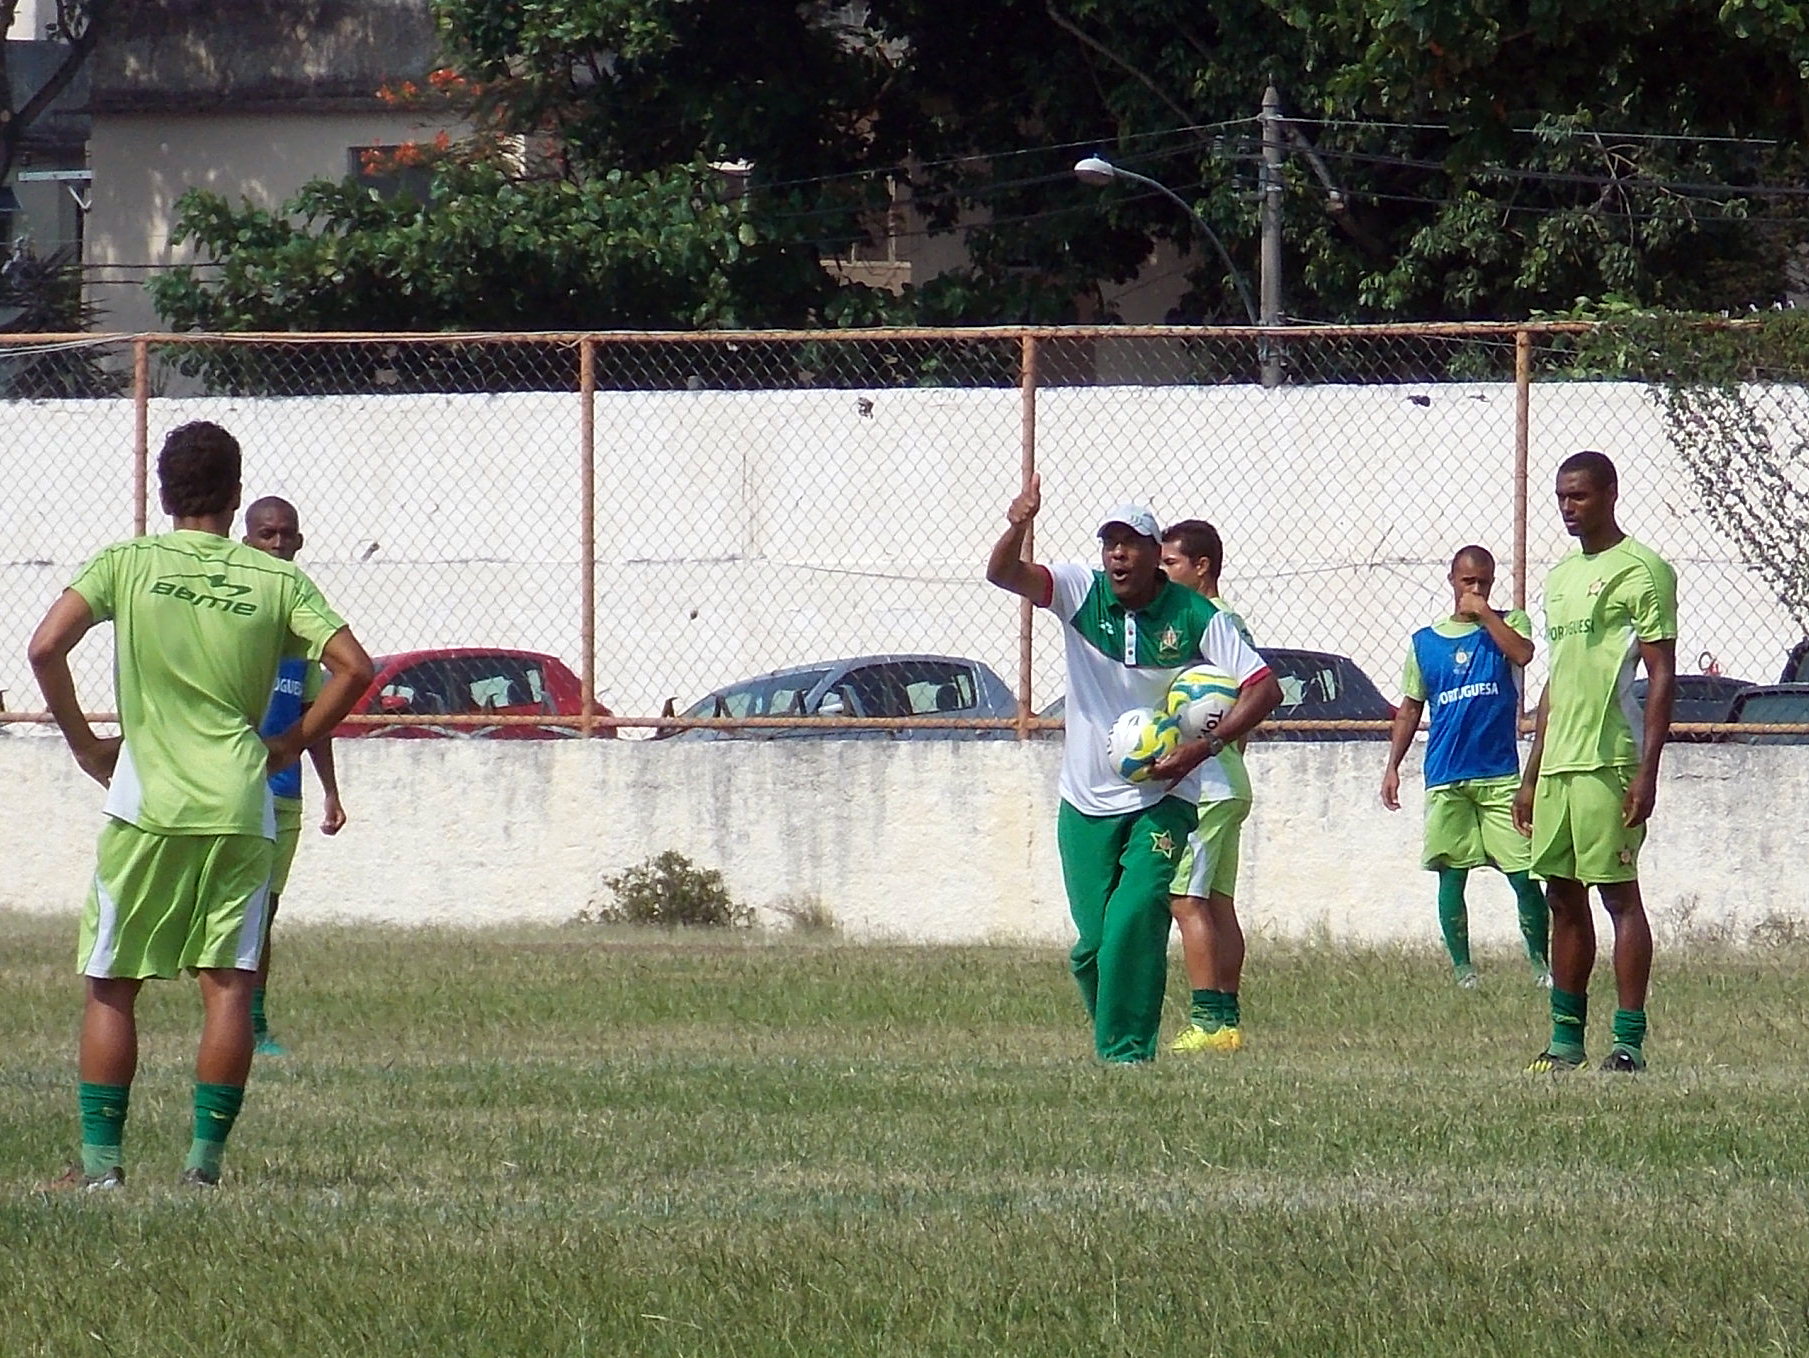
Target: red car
column 471, row 681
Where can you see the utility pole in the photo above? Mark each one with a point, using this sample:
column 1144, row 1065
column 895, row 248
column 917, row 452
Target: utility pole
column 1269, row 284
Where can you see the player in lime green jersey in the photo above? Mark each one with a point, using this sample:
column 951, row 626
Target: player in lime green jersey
column 1467, row 667
column 1592, row 778
column 1128, row 632
column 1203, row 894
column 199, row 625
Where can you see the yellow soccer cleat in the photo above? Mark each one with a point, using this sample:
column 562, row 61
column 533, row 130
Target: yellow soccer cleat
column 1194, row 1038
column 1224, row 1040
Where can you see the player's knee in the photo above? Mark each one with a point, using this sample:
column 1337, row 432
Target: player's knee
column 1622, row 900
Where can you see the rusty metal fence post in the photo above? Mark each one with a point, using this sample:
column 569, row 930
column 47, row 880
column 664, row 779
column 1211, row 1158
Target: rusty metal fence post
column 1026, row 610
column 1523, row 390
column 141, row 435
column 587, row 530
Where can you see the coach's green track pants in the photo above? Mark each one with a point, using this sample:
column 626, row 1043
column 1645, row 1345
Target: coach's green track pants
column 1117, row 870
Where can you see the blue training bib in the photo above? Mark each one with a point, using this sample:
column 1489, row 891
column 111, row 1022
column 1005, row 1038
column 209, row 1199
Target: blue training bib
column 1473, row 697
column 284, row 711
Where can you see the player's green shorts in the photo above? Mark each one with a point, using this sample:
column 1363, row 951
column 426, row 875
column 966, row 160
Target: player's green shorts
column 1577, row 830
column 1209, row 862
column 288, row 835
column 1471, row 823
column 162, row 903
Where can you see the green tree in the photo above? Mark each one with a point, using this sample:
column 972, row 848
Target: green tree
column 1445, row 161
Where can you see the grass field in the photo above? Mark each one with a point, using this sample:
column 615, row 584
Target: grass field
column 575, row 1141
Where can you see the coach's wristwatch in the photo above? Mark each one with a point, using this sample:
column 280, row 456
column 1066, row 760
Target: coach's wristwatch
column 1214, row 747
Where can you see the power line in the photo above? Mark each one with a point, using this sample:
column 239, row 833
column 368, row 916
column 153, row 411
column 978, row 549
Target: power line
column 1580, row 133
column 1564, row 176
column 1090, row 142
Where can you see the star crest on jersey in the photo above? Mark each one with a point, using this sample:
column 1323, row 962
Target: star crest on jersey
column 1162, row 842
column 1596, row 587
column 1169, row 644
column 1462, row 657
column 1626, row 858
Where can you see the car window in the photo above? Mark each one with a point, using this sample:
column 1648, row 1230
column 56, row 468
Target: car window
column 1305, row 681
column 1776, row 707
column 933, row 688
column 785, row 698
column 470, row 685
column 877, row 690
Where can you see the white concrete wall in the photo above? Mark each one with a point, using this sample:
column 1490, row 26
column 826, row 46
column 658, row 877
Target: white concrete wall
column 30, row 19
column 143, row 163
column 742, row 531
column 942, row 841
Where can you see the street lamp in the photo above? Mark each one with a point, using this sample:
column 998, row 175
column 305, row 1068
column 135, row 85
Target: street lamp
column 1098, row 171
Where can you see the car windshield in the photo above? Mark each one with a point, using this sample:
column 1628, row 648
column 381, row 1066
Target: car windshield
column 775, row 696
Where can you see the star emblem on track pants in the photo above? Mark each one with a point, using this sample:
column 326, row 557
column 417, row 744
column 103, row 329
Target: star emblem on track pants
column 1162, row 842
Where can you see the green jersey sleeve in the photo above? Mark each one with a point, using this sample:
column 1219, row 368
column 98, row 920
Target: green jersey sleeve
column 1413, row 683
column 1653, row 603
column 1517, row 619
column 312, row 622
column 96, row 582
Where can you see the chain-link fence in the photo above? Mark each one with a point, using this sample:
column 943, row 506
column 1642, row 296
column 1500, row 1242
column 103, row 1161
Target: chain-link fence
column 668, row 516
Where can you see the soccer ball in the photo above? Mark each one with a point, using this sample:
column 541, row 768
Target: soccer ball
column 1198, row 700
column 1137, row 740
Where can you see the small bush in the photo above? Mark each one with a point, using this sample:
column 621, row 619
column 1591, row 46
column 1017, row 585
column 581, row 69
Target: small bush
column 671, row 891
column 1778, row 931
column 806, row 915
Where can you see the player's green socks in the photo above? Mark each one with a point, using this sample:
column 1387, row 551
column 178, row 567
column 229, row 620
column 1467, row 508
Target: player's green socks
column 1535, row 917
column 260, row 1026
column 1569, row 1016
column 1228, row 1012
column 103, row 1126
column 1630, row 1028
column 1453, row 917
column 216, row 1109
column 1203, row 1012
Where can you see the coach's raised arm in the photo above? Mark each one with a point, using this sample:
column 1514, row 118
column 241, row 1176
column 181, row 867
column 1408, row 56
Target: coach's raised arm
column 1006, row 567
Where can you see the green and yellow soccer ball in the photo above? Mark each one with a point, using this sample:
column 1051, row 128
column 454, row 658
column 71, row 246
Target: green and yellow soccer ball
column 1198, row 700
column 1137, row 740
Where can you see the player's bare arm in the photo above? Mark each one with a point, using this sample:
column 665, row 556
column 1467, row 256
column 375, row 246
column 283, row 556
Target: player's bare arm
column 1517, row 648
column 62, row 627
column 1006, row 567
column 1660, row 660
column 1255, row 701
column 349, row 673
column 1529, row 776
column 1400, row 736
column 332, row 810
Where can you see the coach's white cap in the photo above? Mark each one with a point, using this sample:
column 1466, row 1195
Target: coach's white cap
column 1137, row 518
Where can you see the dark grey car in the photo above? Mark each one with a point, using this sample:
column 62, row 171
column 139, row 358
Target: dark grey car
column 865, row 686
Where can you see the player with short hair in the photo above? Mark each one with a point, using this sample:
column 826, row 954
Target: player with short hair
column 1128, row 632
column 1202, row 896
column 183, row 877
column 273, row 525
column 1592, row 777
column 1469, row 667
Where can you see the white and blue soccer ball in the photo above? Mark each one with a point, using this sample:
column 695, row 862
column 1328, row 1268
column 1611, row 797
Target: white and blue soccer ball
column 1198, row 700
column 1137, row 740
